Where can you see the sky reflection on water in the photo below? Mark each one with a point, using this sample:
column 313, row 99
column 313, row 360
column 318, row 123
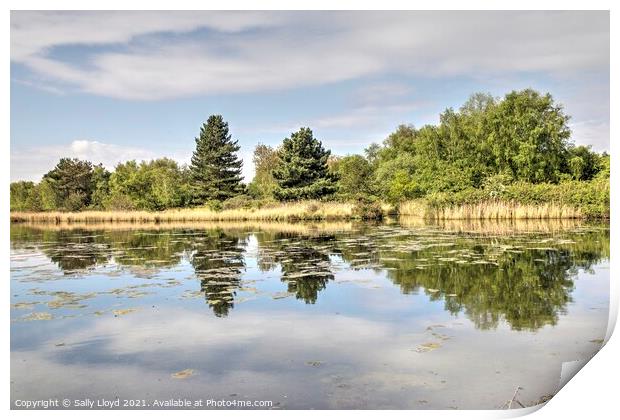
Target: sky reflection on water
column 308, row 316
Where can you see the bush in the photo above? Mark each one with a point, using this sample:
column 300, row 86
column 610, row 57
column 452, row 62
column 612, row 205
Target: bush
column 366, row 210
column 238, row 202
column 119, row 201
column 214, row 205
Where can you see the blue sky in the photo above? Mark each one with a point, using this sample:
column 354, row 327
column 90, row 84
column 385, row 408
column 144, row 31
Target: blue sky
column 112, row 86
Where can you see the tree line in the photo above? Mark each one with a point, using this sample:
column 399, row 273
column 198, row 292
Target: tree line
column 485, row 148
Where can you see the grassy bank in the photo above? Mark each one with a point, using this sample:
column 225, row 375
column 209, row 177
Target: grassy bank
column 307, row 210
column 489, row 210
column 567, row 200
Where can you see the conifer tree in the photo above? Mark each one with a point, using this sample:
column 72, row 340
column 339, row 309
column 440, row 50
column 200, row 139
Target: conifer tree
column 303, row 171
column 215, row 169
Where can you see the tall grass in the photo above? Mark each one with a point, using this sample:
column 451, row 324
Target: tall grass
column 490, row 210
column 496, row 227
column 313, row 210
column 303, row 210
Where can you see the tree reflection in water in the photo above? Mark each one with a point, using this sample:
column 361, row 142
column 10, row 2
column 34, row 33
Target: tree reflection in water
column 218, row 261
column 523, row 278
column 305, row 264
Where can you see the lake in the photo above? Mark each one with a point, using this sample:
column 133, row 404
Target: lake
column 397, row 315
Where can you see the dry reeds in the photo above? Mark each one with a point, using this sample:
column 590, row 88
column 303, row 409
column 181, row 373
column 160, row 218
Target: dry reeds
column 303, row 210
column 489, row 210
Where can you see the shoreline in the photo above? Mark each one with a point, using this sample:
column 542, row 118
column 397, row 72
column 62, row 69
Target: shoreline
column 318, row 211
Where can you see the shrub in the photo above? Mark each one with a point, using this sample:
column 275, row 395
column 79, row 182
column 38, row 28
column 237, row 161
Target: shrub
column 366, row 209
column 238, row 202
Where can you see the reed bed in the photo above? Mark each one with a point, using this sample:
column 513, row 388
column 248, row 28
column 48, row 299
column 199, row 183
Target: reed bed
column 306, row 210
column 490, row 210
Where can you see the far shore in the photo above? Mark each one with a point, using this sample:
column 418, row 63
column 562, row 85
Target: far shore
column 313, row 211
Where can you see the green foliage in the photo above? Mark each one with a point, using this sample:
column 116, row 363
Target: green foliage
column 515, row 148
column 72, row 180
column 485, row 147
column 100, row 181
column 583, row 163
column 530, row 136
column 155, row 185
column 367, row 209
column 215, row 169
column 265, row 160
column 303, row 172
column 43, row 197
column 238, row 202
column 123, row 187
column 591, row 197
column 354, row 176
column 20, row 191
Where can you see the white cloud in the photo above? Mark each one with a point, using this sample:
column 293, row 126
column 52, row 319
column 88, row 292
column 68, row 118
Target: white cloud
column 277, row 50
column 33, row 32
column 32, row 163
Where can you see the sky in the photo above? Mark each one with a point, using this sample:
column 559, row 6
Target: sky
column 112, row 86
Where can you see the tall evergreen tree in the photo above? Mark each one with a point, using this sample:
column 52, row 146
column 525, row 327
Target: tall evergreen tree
column 303, row 171
column 215, row 169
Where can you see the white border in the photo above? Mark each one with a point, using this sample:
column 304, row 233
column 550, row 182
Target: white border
column 592, row 393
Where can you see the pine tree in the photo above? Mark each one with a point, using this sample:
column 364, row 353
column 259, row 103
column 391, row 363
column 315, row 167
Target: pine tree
column 303, row 171
column 72, row 181
column 215, row 169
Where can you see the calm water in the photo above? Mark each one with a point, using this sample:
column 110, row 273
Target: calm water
column 397, row 315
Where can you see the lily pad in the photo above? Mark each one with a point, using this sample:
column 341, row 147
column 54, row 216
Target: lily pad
column 184, row 374
column 426, row 347
column 38, row 316
column 119, row 312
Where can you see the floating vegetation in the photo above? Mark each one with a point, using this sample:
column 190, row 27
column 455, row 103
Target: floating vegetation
column 426, row 347
column 192, row 294
column 431, row 327
column 37, row 316
column 464, row 266
column 68, row 300
column 24, row 305
column 439, row 336
column 282, row 295
column 121, row 312
column 184, row 374
column 403, row 279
